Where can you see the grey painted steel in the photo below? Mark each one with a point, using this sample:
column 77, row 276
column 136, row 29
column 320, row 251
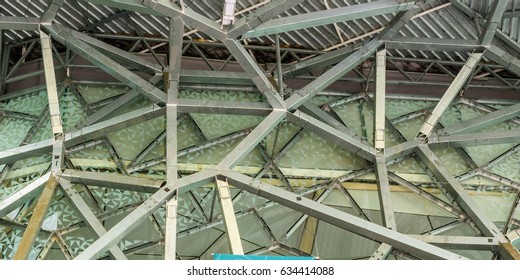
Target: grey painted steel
column 476, row 138
column 503, row 58
column 224, row 107
column 459, row 194
column 257, row 75
column 450, row 93
column 65, row 37
column 19, row 23
column 20, row 197
column 119, row 182
column 252, row 139
column 261, row 15
column 319, row 61
column 382, row 252
column 88, row 216
column 332, row 75
column 26, row 151
column 431, row 44
column 335, row 136
column 483, row 121
column 459, row 242
column 119, row 55
column 176, row 32
column 353, row 12
column 426, row 195
column 338, row 218
column 493, row 20
column 141, row 213
column 383, row 191
column 215, row 77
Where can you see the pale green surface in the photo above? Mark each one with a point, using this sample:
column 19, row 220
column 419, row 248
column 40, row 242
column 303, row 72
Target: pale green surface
column 310, row 156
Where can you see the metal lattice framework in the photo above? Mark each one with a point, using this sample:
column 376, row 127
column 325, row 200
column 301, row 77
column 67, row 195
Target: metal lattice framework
column 174, row 47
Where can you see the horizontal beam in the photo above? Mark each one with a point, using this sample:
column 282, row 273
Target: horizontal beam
column 114, row 181
column 431, row 44
column 223, row 107
column 19, row 23
column 343, row 14
column 459, row 242
column 338, row 218
column 475, row 139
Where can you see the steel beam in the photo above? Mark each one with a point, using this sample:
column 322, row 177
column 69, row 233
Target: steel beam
column 319, row 61
column 450, row 94
column 312, row 19
column 380, row 116
column 487, row 120
column 120, row 182
column 459, row 242
column 332, row 75
column 338, row 218
column 429, row 197
column 19, row 23
column 335, row 136
column 230, row 221
column 492, row 22
column 141, row 213
column 23, row 195
column 261, row 15
column 52, row 9
column 224, row 107
column 383, row 190
column 458, row 193
column 66, row 37
column 176, row 32
column 35, row 223
column 503, row 58
column 475, row 139
column 431, row 44
column 121, row 101
column 88, row 216
column 119, row 55
column 252, row 139
column 257, row 75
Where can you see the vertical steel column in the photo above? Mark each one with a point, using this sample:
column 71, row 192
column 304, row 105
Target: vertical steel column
column 176, row 34
column 230, row 220
column 379, row 118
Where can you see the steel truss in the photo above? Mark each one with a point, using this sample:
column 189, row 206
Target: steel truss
column 161, row 79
